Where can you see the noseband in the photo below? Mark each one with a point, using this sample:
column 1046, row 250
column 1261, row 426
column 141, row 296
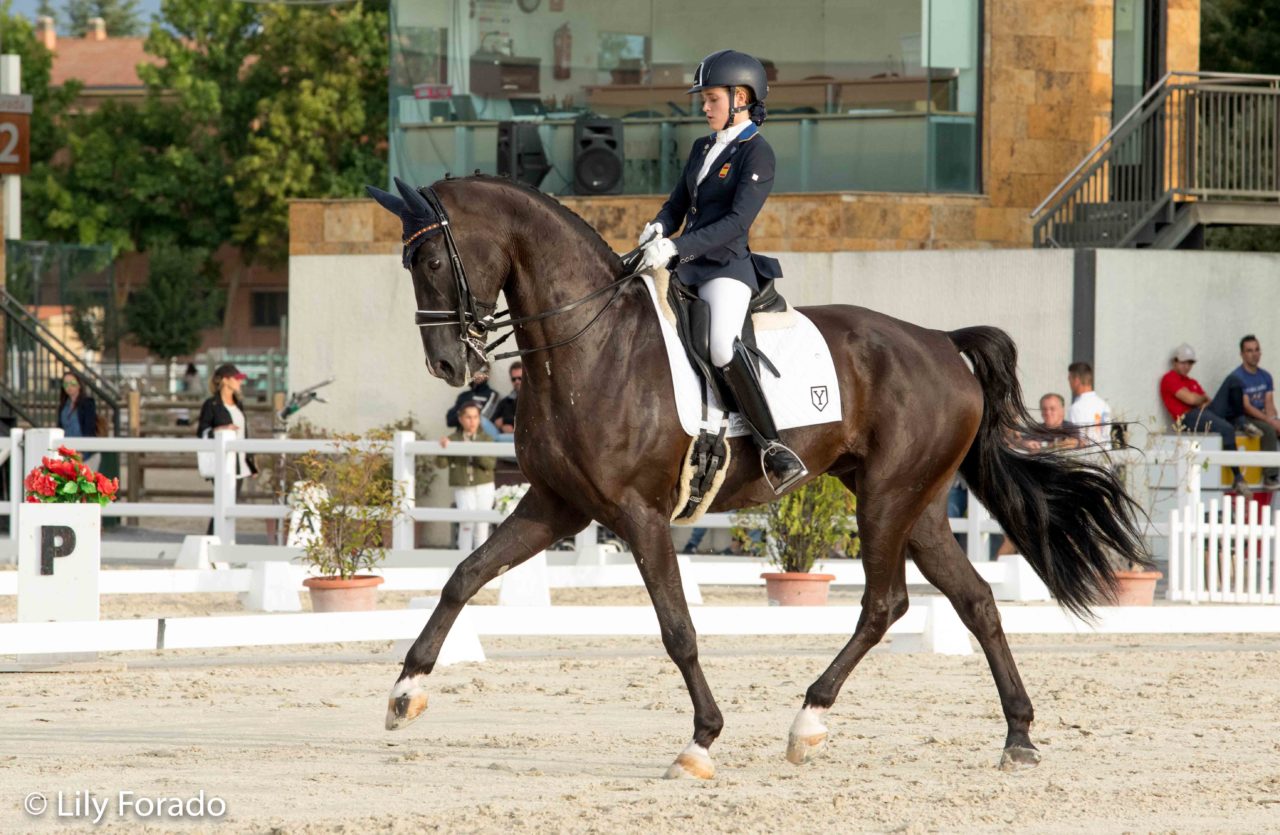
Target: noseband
column 475, row 319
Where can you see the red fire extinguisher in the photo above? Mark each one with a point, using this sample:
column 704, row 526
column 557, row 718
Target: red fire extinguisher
column 563, row 43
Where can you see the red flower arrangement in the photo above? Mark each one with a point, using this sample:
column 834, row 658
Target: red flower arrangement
column 69, row 480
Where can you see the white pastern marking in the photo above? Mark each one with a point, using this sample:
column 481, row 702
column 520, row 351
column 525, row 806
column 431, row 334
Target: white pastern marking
column 405, row 686
column 808, row 722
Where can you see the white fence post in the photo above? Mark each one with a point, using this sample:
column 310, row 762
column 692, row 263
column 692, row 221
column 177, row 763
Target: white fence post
column 17, row 475
column 402, row 474
column 587, row 544
column 224, row 487
column 1188, row 467
column 975, row 538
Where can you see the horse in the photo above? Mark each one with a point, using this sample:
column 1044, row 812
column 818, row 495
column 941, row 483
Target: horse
column 598, row 437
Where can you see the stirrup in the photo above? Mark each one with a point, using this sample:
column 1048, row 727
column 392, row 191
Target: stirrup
column 791, row 480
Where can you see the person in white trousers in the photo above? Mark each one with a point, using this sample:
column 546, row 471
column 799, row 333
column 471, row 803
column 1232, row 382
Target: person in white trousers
column 470, row 477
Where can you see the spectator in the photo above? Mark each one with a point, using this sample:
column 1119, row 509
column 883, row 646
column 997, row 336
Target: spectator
column 485, row 398
column 470, row 478
column 504, row 416
column 1259, row 402
column 695, row 541
column 191, row 379
column 1089, row 412
column 1053, row 411
column 1191, row 409
column 78, row 414
column 224, row 409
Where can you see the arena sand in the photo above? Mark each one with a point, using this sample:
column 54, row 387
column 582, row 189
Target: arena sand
column 572, row 735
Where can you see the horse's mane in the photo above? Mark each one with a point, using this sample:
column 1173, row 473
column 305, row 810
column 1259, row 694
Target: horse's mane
column 593, row 238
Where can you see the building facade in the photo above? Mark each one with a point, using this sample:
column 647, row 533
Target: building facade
column 898, row 124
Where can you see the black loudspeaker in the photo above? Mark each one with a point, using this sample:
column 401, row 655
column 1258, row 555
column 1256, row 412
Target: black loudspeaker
column 520, row 154
column 597, row 156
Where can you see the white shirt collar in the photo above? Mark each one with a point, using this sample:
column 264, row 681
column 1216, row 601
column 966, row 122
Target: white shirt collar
column 724, row 137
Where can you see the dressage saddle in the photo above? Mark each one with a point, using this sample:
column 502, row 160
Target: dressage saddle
column 693, row 324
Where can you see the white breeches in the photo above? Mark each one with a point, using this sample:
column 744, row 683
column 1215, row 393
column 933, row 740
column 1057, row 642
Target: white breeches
column 471, row 535
column 729, row 300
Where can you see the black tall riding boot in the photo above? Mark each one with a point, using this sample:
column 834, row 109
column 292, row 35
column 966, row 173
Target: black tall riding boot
column 782, row 467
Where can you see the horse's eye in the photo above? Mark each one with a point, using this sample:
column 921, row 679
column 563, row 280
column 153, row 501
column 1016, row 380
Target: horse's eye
column 434, row 263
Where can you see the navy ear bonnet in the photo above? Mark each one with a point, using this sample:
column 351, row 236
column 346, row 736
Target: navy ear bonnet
column 420, row 218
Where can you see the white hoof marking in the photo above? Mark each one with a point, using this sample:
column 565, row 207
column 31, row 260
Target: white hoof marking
column 808, row 735
column 408, row 701
column 694, row 762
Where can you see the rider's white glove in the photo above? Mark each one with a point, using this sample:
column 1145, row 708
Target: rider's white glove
column 657, row 254
column 651, row 231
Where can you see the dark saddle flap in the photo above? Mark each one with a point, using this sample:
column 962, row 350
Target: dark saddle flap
column 693, row 323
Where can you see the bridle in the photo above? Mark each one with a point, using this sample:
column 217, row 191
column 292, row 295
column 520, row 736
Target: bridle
column 476, row 319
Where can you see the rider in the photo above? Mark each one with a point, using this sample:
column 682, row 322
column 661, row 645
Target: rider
column 725, row 182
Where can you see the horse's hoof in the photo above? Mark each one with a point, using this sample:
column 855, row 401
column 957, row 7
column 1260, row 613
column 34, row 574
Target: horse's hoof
column 808, row 736
column 408, row 701
column 1017, row 758
column 694, row 762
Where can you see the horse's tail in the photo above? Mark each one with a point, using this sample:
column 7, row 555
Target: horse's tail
column 1065, row 514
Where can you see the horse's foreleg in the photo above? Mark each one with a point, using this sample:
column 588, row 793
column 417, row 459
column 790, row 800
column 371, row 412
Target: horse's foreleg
column 884, row 518
column 944, row 564
column 650, row 541
column 537, row 522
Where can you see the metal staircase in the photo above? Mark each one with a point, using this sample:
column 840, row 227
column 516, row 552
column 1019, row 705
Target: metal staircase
column 1199, row 149
column 34, row 362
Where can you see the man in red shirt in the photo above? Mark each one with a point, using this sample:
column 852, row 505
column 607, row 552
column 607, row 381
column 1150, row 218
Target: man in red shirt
column 1192, row 409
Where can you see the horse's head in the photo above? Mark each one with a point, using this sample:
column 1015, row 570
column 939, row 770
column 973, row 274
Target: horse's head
column 458, row 269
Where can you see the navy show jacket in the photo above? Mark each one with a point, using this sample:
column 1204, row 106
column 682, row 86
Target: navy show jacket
column 718, row 212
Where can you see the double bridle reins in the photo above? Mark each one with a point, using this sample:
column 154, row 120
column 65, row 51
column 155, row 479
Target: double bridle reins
column 476, row 319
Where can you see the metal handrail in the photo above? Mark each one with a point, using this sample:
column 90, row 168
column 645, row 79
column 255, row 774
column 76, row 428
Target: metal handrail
column 20, row 319
column 16, row 309
column 1160, row 87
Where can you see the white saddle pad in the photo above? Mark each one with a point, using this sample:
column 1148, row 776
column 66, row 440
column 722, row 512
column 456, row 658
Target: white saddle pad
column 807, row 393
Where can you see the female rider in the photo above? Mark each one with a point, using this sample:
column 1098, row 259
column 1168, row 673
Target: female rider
column 725, row 182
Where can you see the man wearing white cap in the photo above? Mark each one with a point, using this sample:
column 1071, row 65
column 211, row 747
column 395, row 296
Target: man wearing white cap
column 1192, row 409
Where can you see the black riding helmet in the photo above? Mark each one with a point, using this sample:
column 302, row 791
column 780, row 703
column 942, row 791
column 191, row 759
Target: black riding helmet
column 729, row 68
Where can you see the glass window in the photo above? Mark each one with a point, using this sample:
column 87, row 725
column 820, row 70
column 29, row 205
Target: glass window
column 863, row 94
column 268, row 308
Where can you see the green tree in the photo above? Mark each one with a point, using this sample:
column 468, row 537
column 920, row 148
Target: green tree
column 1240, row 36
column 120, row 16
column 319, row 125
column 46, row 9
column 179, row 300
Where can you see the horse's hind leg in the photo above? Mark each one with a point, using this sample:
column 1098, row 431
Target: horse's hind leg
column 537, row 522
column 649, row 535
column 885, row 516
column 941, row 560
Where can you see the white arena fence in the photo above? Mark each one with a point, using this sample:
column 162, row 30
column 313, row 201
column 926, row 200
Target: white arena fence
column 1224, row 552
column 23, row 451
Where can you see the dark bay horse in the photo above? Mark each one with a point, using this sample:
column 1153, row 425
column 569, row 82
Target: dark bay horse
column 598, row 438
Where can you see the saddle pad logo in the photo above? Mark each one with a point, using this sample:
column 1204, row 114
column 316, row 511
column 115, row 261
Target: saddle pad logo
column 724, row 170
column 818, row 395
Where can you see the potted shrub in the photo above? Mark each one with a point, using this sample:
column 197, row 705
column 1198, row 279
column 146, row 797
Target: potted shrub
column 809, row 524
column 350, row 500
column 1135, row 582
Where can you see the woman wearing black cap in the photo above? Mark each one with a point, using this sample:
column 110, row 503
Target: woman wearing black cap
column 225, row 410
column 725, row 183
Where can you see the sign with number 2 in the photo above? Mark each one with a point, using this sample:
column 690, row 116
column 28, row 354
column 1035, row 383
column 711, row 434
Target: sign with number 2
column 15, row 143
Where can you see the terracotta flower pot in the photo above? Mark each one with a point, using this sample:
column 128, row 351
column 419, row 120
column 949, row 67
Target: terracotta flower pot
column 335, row 594
column 1136, row 588
column 794, row 588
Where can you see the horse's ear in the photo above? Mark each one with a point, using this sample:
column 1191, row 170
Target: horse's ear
column 386, row 200
column 413, row 198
